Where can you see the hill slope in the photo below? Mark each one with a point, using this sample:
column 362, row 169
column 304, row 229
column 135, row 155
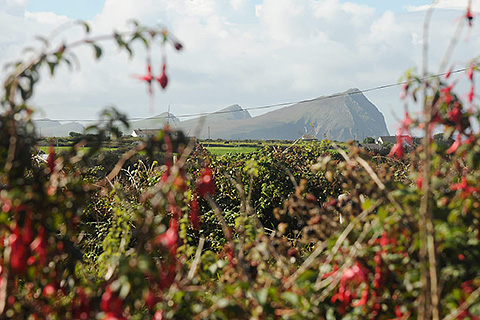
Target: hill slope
column 342, row 116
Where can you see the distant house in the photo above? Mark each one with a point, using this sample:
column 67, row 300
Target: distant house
column 407, row 140
column 145, row 133
column 371, row 146
column 385, row 139
column 309, row 137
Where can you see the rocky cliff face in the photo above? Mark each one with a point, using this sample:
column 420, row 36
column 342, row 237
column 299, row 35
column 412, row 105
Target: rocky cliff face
column 341, row 116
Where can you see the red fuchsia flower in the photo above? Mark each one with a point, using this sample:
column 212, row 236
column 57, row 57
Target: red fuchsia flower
column 467, row 288
column 405, row 87
column 469, row 16
column 407, row 122
column 377, row 282
column 194, row 214
column 447, row 93
column 19, row 241
column 167, row 278
column 464, row 187
column 6, row 204
column 351, row 278
column 177, row 45
column 158, row 315
column 163, row 80
column 19, row 253
column 398, row 314
column 49, row 290
column 113, row 316
column 449, row 73
column 148, row 77
column 205, row 184
column 470, row 71
column 455, row 145
column 51, row 159
column 111, row 304
column 455, row 113
column 471, row 94
column 398, row 148
column 80, row 305
column 150, row 300
column 39, row 245
column 170, row 237
column 420, row 181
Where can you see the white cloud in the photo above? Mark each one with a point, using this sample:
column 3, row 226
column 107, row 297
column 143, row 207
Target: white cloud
column 445, row 4
column 13, row 7
column 236, row 51
column 237, row 4
column 47, row 18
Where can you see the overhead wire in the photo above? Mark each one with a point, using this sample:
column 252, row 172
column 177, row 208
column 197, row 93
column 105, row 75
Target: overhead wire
column 269, row 106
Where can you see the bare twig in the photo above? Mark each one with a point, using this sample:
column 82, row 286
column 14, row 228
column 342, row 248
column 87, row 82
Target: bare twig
column 5, row 278
column 220, row 218
column 464, row 306
column 428, row 305
column 198, row 254
column 344, row 235
column 320, row 246
column 379, row 183
column 353, row 253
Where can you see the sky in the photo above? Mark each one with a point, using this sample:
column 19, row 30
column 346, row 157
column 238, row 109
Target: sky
column 247, row 52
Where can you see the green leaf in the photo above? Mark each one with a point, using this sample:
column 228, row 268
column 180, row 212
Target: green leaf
column 367, row 204
column 67, row 61
column 98, row 51
column 291, row 297
column 382, row 214
column 28, row 49
column 85, row 25
column 44, row 40
column 52, row 66
column 262, row 296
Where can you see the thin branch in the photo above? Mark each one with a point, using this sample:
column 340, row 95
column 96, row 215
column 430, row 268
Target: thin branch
column 5, row 278
column 336, row 278
column 464, row 306
column 344, row 236
column 379, row 183
column 198, row 254
column 320, row 246
column 429, row 299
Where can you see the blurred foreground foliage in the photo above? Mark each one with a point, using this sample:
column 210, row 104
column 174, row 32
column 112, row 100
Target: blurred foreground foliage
column 310, row 232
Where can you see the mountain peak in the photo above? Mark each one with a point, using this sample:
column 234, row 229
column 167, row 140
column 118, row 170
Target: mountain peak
column 353, row 91
column 233, row 112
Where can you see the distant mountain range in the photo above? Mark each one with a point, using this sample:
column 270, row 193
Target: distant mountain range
column 53, row 128
column 342, row 116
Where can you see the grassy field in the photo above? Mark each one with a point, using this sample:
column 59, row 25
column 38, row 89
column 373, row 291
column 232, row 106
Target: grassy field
column 62, row 149
column 218, row 151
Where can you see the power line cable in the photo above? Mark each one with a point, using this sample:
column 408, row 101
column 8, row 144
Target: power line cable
column 269, row 106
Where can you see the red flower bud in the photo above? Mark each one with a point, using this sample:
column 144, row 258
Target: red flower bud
column 51, row 159
column 163, row 80
column 170, row 237
column 111, row 303
column 49, row 290
column 194, row 214
column 178, row 46
column 158, row 315
column 205, row 184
